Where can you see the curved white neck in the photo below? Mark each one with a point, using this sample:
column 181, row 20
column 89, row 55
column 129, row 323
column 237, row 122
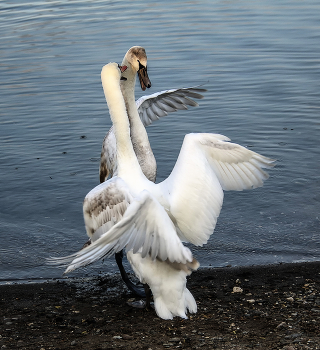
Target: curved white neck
column 127, row 160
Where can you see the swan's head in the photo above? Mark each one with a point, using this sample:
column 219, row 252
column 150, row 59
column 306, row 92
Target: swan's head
column 112, row 71
column 136, row 59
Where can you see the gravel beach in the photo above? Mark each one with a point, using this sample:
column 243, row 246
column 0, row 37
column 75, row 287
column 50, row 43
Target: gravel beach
column 258, row 307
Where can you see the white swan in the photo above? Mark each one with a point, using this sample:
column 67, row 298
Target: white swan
column 150, row 220
column 142, row 113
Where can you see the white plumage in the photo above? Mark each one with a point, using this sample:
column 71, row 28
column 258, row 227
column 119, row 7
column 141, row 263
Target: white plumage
column 168, row 284
column 150, row 220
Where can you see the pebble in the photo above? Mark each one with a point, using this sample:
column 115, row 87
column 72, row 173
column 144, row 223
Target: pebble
column 174, row 340
column 117, row 337
column 237, row 290
column 281, row 325
column 127, row 337
column 317, row 311
column 251, row 301
column 290, row 299
column 293, row 336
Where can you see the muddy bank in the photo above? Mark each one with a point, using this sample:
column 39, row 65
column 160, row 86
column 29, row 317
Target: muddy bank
column 261, row 307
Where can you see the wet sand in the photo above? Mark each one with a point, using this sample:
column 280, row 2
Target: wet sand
column 272, row 307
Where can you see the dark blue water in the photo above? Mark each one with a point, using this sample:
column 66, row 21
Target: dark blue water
column 260, row 62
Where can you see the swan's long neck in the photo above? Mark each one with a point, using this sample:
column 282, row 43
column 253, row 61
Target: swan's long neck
column 138, row 132
column 127, row 87
column 127, row 160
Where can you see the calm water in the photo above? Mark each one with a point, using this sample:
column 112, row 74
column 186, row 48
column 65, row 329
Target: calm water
column 260, row 62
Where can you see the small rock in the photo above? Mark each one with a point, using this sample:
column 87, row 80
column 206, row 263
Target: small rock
column 237, row 290
column 317, row 311
column 174, row 340
column 290, row 299
column 127, row 337
column 117, row 337
column 293, row 336
column 281, row 325
column 251, row 301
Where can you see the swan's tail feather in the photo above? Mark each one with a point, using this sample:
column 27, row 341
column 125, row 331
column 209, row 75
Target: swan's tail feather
column 190, row 302
column 162, row 310
column 167, row 282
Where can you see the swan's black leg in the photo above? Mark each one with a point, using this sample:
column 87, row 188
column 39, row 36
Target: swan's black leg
column 139, row 291
column 148, row 296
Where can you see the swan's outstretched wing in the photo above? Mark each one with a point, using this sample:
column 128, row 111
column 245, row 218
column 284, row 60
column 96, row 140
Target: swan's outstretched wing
column 145, row 224
column 152, row 107
column 207, row 165
column 104, row 206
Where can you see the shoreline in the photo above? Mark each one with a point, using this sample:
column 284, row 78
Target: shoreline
column 35, row 280
column 250, row 307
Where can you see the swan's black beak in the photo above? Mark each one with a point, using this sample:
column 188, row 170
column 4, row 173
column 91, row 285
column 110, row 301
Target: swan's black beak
column 143, row 77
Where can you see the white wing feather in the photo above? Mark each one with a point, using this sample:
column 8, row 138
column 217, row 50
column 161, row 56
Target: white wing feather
column 207, row 165
column 145, row 224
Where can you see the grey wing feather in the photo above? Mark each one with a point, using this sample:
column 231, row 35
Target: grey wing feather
column 155, row 106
